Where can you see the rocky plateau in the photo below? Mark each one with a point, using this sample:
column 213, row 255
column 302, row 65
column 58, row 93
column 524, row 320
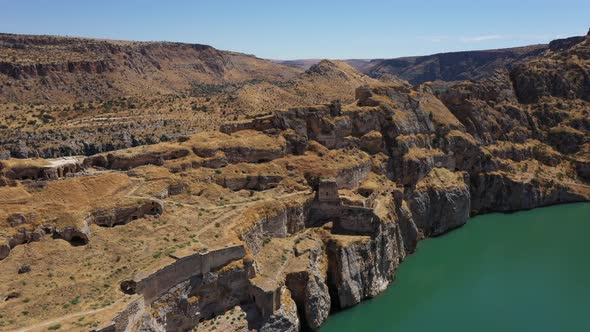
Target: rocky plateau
column 271, row 221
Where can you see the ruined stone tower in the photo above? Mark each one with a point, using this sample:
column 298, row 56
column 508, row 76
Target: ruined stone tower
column 328, row 192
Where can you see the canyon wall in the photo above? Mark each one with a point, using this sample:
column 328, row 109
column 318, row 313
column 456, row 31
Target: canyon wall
column 325, row 202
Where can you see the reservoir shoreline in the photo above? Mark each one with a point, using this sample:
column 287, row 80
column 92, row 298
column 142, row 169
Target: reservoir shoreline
column 511, row 271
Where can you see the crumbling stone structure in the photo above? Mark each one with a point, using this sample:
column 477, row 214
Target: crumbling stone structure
column 157, row 283
column 328, row 192
column 266, row 294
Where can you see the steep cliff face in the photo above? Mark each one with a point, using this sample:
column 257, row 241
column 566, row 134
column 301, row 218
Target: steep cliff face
column 362, row 267
column 306, row 279
column 498, row 191
column 562, row 72
column 440, row 202
column 274, row 223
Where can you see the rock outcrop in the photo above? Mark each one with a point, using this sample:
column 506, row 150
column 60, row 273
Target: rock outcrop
column 121, row 215
column 440, row 202
column 285, row 318
column 306, row 279
column 273, row 223
column 40, row 169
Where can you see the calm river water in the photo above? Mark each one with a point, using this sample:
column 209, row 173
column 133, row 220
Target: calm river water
column 524, row 271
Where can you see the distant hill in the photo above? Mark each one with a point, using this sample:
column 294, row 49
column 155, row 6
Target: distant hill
column 66, row 69
column 65, row 96
column 62, row 95
column 304, row 64
column 453, row 66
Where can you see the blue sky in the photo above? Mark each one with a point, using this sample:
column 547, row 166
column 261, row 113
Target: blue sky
column 307, row 29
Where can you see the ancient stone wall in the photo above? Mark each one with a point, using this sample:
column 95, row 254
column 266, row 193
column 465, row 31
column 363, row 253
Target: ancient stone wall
column 128, row 161
column 258, row 124
column 352, row 177
column 266, row 294
column 290, row 220
column 356, row 220
column 160, row 281
column 127, row 317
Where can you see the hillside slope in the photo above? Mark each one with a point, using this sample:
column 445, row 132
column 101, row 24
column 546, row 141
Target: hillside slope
column 64, row 69
column 66, row 96
column 452, row 66
column 455, row 66
column 274, row 223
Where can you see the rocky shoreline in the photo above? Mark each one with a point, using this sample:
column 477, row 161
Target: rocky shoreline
column 348, row 247
column 273, row 223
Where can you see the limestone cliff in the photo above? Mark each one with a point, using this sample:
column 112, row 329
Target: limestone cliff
column 273, row 223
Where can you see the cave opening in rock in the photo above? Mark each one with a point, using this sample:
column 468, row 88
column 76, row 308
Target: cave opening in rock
column 77, row 241
column 128, row 287
column 121, row 223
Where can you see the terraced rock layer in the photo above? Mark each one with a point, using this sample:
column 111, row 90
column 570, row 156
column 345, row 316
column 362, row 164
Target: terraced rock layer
column 270, row 224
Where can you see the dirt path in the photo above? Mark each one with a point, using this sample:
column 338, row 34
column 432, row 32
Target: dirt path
column 62, row 318
column 229, row 215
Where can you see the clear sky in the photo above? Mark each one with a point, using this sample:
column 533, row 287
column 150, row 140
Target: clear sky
column 298, row 29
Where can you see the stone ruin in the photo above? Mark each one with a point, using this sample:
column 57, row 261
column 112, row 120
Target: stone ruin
column 328, row 192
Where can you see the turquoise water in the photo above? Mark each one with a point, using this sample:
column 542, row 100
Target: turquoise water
column 524, row 271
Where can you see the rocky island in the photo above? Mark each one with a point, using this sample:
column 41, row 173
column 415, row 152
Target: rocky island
column 122, row 210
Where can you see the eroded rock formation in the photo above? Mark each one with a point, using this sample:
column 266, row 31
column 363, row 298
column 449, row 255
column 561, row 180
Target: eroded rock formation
column 273, row 223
